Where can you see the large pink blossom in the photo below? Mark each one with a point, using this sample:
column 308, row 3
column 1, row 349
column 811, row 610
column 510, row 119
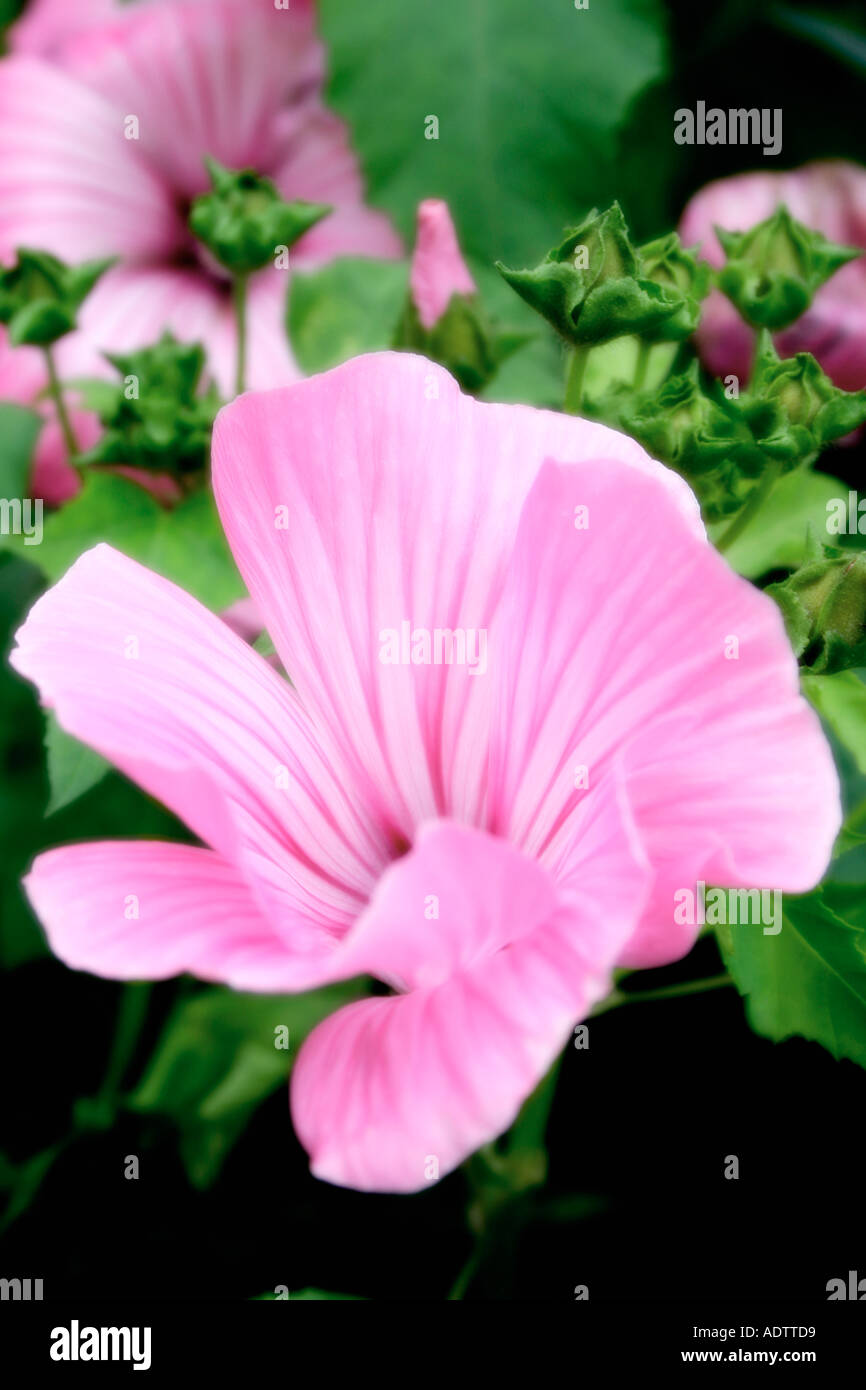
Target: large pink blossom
column 237, row 79
column 828, row 196
column 488, row 837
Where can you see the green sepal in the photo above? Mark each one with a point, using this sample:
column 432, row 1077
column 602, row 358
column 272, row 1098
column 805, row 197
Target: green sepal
column 40, row 296
column 824, row 607
column 463, row 339
column 608, row 296
column 815, row 409
column 243, row 220
column 773, row 270
column 676, row 268
column 695, row 429
column 156, row 416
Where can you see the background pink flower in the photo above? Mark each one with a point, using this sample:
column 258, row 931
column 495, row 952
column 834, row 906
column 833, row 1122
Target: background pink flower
column 415, row 821
column 438, row 269
column 829, row 196
column 238, row 80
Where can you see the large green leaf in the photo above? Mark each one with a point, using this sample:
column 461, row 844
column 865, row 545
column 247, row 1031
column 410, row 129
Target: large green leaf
column 353, row 305
column 810, row 979
column 348, row 307
column 217, row 1060
column 529, row 104
column 840, row 699
column 185, row 543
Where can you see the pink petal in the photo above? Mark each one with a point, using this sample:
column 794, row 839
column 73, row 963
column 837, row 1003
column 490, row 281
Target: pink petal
column 402, row 498
column 611, row 642
column 438, row 269
column 46, row 25
column 141, row 910
column 384, row 1086
column 203, row 723
column 244, row 618
column 202, row 79
column 318, row 165
column 69, row 181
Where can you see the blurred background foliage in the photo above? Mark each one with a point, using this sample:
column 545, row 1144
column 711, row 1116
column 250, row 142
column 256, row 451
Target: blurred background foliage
column 540, row 118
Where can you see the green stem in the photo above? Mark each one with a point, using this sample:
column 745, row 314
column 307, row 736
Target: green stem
column 468, row 1272
column 617, row 997
column 756, row 499
column 500, row 1180
column 574, row 380
column 239, row 297
column 528, row 1131
column 643, row 357
column 131, row 1015
column 56, row 392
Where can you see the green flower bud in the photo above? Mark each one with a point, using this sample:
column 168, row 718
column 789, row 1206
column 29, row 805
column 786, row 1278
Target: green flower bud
column 156, row 417
column 463, row 340
column 773, row 270
column 815, row 410
column 244, row 221
column 824, row 607
column 703, row 435
column 40, row 296
column 591, row 287
column 669, row 264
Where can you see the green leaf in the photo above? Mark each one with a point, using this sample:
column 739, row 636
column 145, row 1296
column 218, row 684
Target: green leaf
column 776, row 536
column 186, row 543
column 840, row 699
column 18, row 431
column 73, row 768
column 217, row 1060
column 24, row 1181
column 810, row 979
column 349, row 307
column 529, row 113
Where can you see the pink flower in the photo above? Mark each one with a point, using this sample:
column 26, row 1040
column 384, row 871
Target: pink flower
column 828, row 196
column 488, row 837
column 438, row 269
column 230, row 78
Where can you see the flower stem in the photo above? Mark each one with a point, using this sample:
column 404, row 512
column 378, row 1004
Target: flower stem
column 239, row 297
column 618, row 997
column 502, row 1179
column 131, row 1016
column 756, row 498
column 574, row 380
column 56, row 393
